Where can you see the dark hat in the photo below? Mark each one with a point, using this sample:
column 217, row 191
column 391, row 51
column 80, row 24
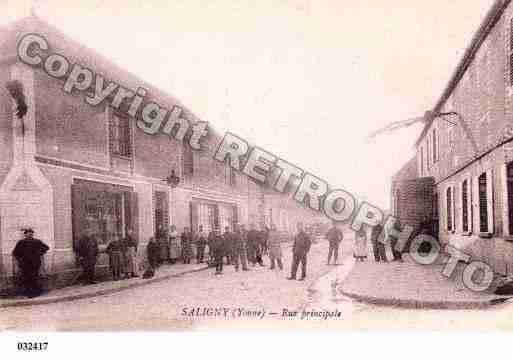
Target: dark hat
column 27, row 230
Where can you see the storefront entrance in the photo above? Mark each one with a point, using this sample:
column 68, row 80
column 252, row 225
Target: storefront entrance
column 212, row 214
column 105, row 209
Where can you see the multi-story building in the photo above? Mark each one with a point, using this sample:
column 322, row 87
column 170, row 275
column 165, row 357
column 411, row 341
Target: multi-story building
column 68, row 166
column 464, row 155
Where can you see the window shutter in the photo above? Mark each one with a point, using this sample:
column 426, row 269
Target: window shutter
column 469, row 204
column 448, row 208
column 428, row 145
column 134, row 213
column 188, row 160
column 475, row 205
column 511, row 52
column 235, row 217
column 454, row 214
column 216, row 217
column 194, row 216
column 489, row 199
column 112, row 135
column 458, row 225
column 505, row 200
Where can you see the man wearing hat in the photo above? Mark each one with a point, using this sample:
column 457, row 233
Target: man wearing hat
column 88, row 254
column 219, row 247
column 28, row 253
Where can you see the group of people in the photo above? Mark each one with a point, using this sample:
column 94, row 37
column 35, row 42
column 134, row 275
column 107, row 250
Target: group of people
column 378, row 237
column 237, row 247
column 122, row 254
column 240, row 248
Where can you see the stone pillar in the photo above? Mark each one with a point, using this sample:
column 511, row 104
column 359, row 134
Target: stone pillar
column 26, row 196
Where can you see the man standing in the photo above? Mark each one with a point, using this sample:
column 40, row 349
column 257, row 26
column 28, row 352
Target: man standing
column 239, row 249
column 28, row 253
column 228, row 238
column 377, row 237
column 274, row 246
column 397, row 255
column 88, row 254
column 201, row 243
column 334, row 237
column 187, row 245
column 219, row 250
column 153, row 253
column 300, row 250
column 131, row 245
column 263, row 237
column 253, row 242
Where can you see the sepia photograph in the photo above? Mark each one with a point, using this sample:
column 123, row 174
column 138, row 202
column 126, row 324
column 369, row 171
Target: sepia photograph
column 234, row 165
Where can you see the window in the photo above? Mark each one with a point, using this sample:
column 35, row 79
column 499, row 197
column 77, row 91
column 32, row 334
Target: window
column 511, row 52
column 422, row 161
column 509, row 180
column 233, row 177
column 449, row 209
column 435, row 148
column 435, row 212
column 188, row 160
column 428, row 146
column 451, row 141
column 120, row 136
column 464, row 206
column 397, row 201
column 483, row 203
column 102, row 209
column 161, row 213
column 230, row 177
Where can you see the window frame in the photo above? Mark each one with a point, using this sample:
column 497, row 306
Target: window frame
column 449, row 197
column 116, row 142
column 510, row 53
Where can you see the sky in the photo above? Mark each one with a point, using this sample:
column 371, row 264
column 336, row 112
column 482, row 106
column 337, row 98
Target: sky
column 306, row 80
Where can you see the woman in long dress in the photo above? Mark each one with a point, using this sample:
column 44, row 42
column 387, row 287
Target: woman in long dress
column 174, row 244
column 360, row 245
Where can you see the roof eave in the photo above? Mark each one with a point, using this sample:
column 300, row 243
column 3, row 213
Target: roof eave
column 490, row 20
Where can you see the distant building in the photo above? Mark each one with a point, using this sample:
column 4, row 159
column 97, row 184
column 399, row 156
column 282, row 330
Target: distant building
column 468, row 175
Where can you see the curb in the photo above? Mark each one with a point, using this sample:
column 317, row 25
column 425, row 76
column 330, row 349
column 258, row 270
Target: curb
column 72, row 297
column 424, row 304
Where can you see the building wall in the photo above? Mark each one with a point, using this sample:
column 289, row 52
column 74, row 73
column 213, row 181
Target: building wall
column 413, row 200
column 69, row 140
column 484, row 99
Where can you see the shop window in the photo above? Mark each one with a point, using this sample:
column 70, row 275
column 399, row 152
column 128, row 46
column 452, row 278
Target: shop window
column 212, row 215
column 104, row 210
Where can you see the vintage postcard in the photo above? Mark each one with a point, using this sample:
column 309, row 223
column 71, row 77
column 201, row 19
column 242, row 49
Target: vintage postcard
column 236, row 164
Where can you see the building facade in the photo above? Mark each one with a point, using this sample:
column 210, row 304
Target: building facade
column 466, row 148
column 68, row 167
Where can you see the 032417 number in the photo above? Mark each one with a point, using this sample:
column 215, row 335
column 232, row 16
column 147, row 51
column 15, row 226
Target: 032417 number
column 32, row 346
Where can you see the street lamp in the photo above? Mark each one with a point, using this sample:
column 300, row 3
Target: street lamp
column 172, row 180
